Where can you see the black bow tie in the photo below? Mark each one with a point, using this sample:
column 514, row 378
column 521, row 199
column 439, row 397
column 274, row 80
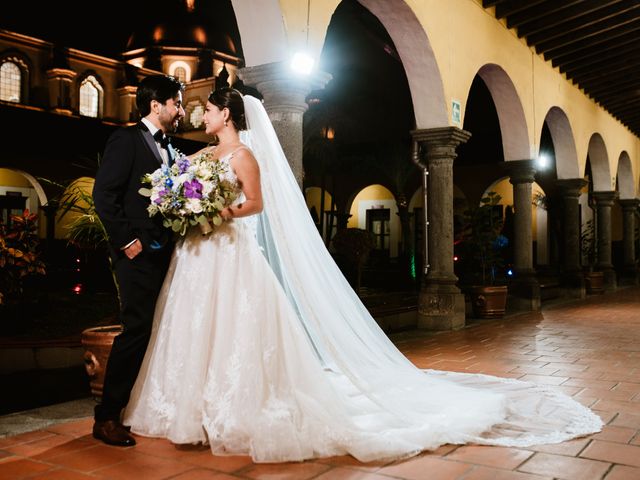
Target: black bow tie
column 162, row 139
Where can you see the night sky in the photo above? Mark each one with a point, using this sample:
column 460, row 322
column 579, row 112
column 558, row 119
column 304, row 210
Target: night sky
column 105, row 27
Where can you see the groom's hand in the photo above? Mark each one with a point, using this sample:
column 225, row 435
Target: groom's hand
column 133, row 250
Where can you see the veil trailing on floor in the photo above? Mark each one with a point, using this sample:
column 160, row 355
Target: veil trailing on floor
column 349, row 343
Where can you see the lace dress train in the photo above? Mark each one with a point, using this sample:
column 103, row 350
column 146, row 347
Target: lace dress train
column 230, row 364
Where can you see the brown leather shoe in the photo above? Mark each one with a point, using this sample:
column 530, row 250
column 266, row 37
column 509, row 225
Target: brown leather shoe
column 113, row 433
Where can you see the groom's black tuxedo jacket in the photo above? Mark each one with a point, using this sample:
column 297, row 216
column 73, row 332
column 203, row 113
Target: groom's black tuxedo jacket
column 129, row 154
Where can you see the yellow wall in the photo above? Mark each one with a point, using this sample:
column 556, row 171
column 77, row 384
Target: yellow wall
column 372, row 192
column 312, row 196
column 373, row 197
column 62, row 224
column 464, row 37
column 505, row 190
column 13, row 179
column 302, row 36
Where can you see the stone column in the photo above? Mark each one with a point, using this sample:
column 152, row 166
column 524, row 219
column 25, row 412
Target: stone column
column 604, row 202
column 440, row 304
column 60, row 82
column 284, row 94
column 127, row 110
column 572, row 277
column 630, row 267
column 524, row 292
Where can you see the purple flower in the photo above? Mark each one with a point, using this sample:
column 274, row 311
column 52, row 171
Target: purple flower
column 193, row 189
column 183, row 164
column 162, row 193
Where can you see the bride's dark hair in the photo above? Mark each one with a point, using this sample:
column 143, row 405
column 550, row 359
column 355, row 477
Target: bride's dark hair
column 230, row 98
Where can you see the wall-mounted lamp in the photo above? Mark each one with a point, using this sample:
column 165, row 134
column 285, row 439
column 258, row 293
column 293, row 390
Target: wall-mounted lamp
column 302, row 63
column 542, row 162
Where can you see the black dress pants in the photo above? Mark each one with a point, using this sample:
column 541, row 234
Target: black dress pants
column 139, row 281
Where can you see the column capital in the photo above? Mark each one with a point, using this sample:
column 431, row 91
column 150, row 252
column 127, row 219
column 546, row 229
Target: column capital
column 283, row 90
column 571, row 187
column 449, row 136
column 604, row 198
column 629, row 204
column 440, row 143
column 520, row 171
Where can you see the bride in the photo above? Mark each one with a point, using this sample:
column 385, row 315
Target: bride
column 260, row 347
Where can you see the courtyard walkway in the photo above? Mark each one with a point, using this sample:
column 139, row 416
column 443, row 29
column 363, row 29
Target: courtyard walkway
column 588, row 349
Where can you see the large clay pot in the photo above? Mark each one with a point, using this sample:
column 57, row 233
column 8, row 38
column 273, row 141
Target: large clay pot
column 489, row 302
column 97, row 344
column 594, row 282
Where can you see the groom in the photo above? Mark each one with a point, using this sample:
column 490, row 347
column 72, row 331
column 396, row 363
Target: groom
column 140, row 247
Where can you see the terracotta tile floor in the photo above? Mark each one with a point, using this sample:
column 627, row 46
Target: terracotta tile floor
column 588, row 349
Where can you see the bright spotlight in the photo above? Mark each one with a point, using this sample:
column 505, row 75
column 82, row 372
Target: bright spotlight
column 543, row 161
column 302, row 63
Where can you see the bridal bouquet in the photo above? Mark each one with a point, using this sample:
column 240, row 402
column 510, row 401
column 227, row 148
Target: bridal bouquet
column 190, row 192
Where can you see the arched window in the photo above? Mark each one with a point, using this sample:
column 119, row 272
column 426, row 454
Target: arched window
column 181, row 74
column 10, row 82
column 90, row 97
column 181, row 70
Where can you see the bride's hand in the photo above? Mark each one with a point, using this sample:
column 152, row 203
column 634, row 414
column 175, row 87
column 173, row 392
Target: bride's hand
column 226, row 214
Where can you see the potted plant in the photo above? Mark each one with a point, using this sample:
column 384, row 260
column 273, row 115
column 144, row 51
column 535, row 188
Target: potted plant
column 482, row 241
column 86, row 231
column 353, row 245
column 593, row 280
column 19, row 256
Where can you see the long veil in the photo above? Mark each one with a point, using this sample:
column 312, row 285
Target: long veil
column 349, row 342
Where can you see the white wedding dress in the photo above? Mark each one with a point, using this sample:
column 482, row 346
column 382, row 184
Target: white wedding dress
column 254, row 351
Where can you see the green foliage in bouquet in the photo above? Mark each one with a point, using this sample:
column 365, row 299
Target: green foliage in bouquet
column 192, row 191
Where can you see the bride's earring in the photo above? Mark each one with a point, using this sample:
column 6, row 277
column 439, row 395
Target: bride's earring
column 225, row 123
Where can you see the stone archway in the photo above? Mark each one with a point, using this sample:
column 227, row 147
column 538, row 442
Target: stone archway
column 599, row 160
column 270, row 44
column 42, row 196
column 27, row 189
column 372, row 200
column 626, row 187
column 627, row 207
column 513, row 124
column 564, row 145
column 418, row 59
column 604, row 195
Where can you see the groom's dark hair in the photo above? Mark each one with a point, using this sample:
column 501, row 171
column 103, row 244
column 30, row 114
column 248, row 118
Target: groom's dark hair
column 156, row 87
column 230, row 98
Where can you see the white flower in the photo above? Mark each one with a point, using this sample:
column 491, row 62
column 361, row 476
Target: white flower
column 194, row 205
column 185, row 177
